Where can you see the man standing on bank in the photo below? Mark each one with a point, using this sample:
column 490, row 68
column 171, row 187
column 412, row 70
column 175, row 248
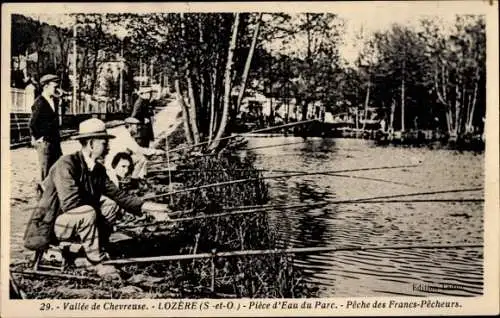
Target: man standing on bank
column 70, row 208
column 44, row 124
column 143, row 112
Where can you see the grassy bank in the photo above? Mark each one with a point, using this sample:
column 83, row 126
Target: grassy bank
column 267, row 276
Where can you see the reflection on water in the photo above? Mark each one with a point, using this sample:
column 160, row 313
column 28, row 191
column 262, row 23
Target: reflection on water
column 379, row 272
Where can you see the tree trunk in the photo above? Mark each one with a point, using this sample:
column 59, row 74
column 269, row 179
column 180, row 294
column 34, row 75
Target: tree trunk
column 391, row 117
column 212, row 108
column 449, row 122
column 192, row 109
column 185, row 113
column 367, row 101
column 471, row 114
column 308, row 30
column 214, row 98
column 94, row 75
column 248, row 64
column 227, row 84
column 456, row 122
column 403, row 98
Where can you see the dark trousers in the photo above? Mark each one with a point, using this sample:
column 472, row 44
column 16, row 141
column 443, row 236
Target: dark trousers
column 48, row 153
column 142, row 141
column 144, row 135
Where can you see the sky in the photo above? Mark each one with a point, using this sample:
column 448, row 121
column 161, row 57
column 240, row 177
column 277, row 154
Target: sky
column 381, row 19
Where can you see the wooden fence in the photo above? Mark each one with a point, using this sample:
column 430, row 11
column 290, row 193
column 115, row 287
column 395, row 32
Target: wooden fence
column 90, row 105
column 22, row 100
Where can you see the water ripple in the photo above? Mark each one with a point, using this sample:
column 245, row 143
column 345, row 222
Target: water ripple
column 379, row 272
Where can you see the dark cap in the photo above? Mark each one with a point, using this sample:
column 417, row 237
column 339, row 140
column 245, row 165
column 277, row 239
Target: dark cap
column 48, row 78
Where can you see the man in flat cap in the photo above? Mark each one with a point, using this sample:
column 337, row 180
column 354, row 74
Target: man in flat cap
column 69, row 210
column 143, row 112
column 44, row 124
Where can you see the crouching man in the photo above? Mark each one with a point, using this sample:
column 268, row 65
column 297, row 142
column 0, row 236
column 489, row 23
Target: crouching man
column 70, row 207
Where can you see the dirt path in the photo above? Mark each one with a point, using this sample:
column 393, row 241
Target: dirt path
column 23, row 179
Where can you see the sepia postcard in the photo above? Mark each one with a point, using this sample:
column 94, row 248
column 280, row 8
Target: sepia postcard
column 250, row 159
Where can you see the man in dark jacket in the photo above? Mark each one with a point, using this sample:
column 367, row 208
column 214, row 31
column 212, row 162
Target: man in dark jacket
column 143, row 112
column 44, row 124
column 69, row 209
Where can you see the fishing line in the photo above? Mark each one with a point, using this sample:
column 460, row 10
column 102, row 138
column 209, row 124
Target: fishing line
column 272, row 177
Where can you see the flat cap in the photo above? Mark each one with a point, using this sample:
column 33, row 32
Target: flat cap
column 132, row 120
column 144, row 90
column 48, row 78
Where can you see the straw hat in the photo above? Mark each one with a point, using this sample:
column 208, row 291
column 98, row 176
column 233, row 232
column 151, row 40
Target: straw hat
column 92, row 128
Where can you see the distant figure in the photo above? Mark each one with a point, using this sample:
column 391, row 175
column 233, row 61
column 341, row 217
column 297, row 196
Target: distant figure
column 382, row 125
column 143, row 112
column 44, row 124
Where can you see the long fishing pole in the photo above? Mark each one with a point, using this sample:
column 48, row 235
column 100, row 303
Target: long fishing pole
column 360, row 200
column 243, row 134
column 273, row 177
column 276, row 145
column 299, row 250
column 153, row 172
column 152, row 163
column 263, row 208
column 56, row 275
column 193, row 218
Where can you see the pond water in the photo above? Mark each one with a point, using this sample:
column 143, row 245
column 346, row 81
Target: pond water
column 416, row 271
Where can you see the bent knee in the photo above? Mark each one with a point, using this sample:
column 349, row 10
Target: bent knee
column 85, row 212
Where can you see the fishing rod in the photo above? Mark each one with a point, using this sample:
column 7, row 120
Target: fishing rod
column 271, row 171
column 299, row 250
column 243, row 134
column 276, row 145
column 356, row 201
column 56, row 275
column 273, row 177
column 265, row 208
column 193, row 218
column 153, row 174
column 259, row 147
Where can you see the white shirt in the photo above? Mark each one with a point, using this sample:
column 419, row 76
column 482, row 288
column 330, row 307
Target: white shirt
column 50, row 101
column 89, row 161
column 113, row 177
column 124, row 142
column 167, row 120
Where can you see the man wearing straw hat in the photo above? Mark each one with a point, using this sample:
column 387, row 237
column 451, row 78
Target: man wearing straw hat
column 44, row 124
column 143, row 112
column 69, row 209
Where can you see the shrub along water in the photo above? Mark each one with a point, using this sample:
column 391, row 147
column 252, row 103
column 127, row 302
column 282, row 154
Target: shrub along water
column 248, row 276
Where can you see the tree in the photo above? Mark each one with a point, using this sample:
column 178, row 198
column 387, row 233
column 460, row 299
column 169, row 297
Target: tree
column 457, row 64
column 398, row 73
